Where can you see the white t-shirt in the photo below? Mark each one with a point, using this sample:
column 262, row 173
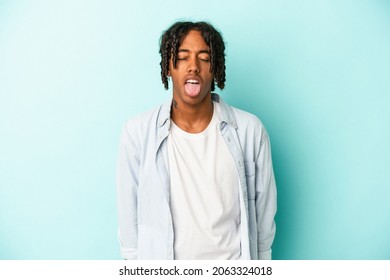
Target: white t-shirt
column 205, row 201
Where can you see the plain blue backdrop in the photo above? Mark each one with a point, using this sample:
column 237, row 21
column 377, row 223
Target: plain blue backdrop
column 317, row 73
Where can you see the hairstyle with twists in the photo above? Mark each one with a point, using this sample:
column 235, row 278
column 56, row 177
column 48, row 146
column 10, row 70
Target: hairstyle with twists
column 172, row 38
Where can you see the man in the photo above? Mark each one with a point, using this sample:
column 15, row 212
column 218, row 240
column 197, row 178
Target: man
column 195, row 177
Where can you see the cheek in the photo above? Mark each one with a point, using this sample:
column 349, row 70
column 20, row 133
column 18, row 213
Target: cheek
column 209, row 76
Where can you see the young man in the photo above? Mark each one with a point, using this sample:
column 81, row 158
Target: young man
column 195, row 177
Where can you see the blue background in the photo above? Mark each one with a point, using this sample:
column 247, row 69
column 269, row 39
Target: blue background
column 316, row 72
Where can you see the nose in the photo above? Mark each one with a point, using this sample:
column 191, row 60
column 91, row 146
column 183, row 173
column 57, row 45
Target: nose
column 193, row 65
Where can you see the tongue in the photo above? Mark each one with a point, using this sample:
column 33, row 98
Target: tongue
column 192, row 89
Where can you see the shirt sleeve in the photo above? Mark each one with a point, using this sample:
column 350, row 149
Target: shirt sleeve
column 127, row 186
column 265, row 199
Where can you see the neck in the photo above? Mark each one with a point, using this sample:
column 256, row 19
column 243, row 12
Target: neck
column 192, row 119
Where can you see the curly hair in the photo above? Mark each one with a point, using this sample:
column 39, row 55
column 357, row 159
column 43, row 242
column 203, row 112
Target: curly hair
column 172, row 38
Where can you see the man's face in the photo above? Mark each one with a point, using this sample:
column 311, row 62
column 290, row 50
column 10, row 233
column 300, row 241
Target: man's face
column 192, row 77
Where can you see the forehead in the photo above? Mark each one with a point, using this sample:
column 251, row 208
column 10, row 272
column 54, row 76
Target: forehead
column 193, row 40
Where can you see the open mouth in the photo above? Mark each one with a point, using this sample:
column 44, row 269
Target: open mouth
column 192, row 82
column 192, row 87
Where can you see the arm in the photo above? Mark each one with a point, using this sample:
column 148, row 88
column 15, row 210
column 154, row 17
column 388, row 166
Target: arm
column 127, row 187
column 265, row 199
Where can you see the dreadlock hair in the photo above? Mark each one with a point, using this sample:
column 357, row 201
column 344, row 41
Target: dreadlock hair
column 174, row 36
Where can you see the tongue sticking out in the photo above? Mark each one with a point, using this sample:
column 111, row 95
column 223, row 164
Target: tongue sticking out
column 192, row 89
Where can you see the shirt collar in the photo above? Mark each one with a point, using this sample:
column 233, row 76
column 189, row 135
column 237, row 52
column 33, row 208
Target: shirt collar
column 227, row 114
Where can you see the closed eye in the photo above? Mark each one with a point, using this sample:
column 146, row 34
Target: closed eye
column 204, row 57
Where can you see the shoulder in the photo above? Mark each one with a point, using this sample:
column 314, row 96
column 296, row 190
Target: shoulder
column 247, row 122
column 148, row 119
column 246, row 118
column 143, row 128
column 249, row 128
column 237, row 117
column 143, row 119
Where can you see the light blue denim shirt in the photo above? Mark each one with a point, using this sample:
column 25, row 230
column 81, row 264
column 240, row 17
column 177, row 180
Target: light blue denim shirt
column 143, row 184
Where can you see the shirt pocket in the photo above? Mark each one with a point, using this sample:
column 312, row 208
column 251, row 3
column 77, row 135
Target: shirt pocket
column 250, row 176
